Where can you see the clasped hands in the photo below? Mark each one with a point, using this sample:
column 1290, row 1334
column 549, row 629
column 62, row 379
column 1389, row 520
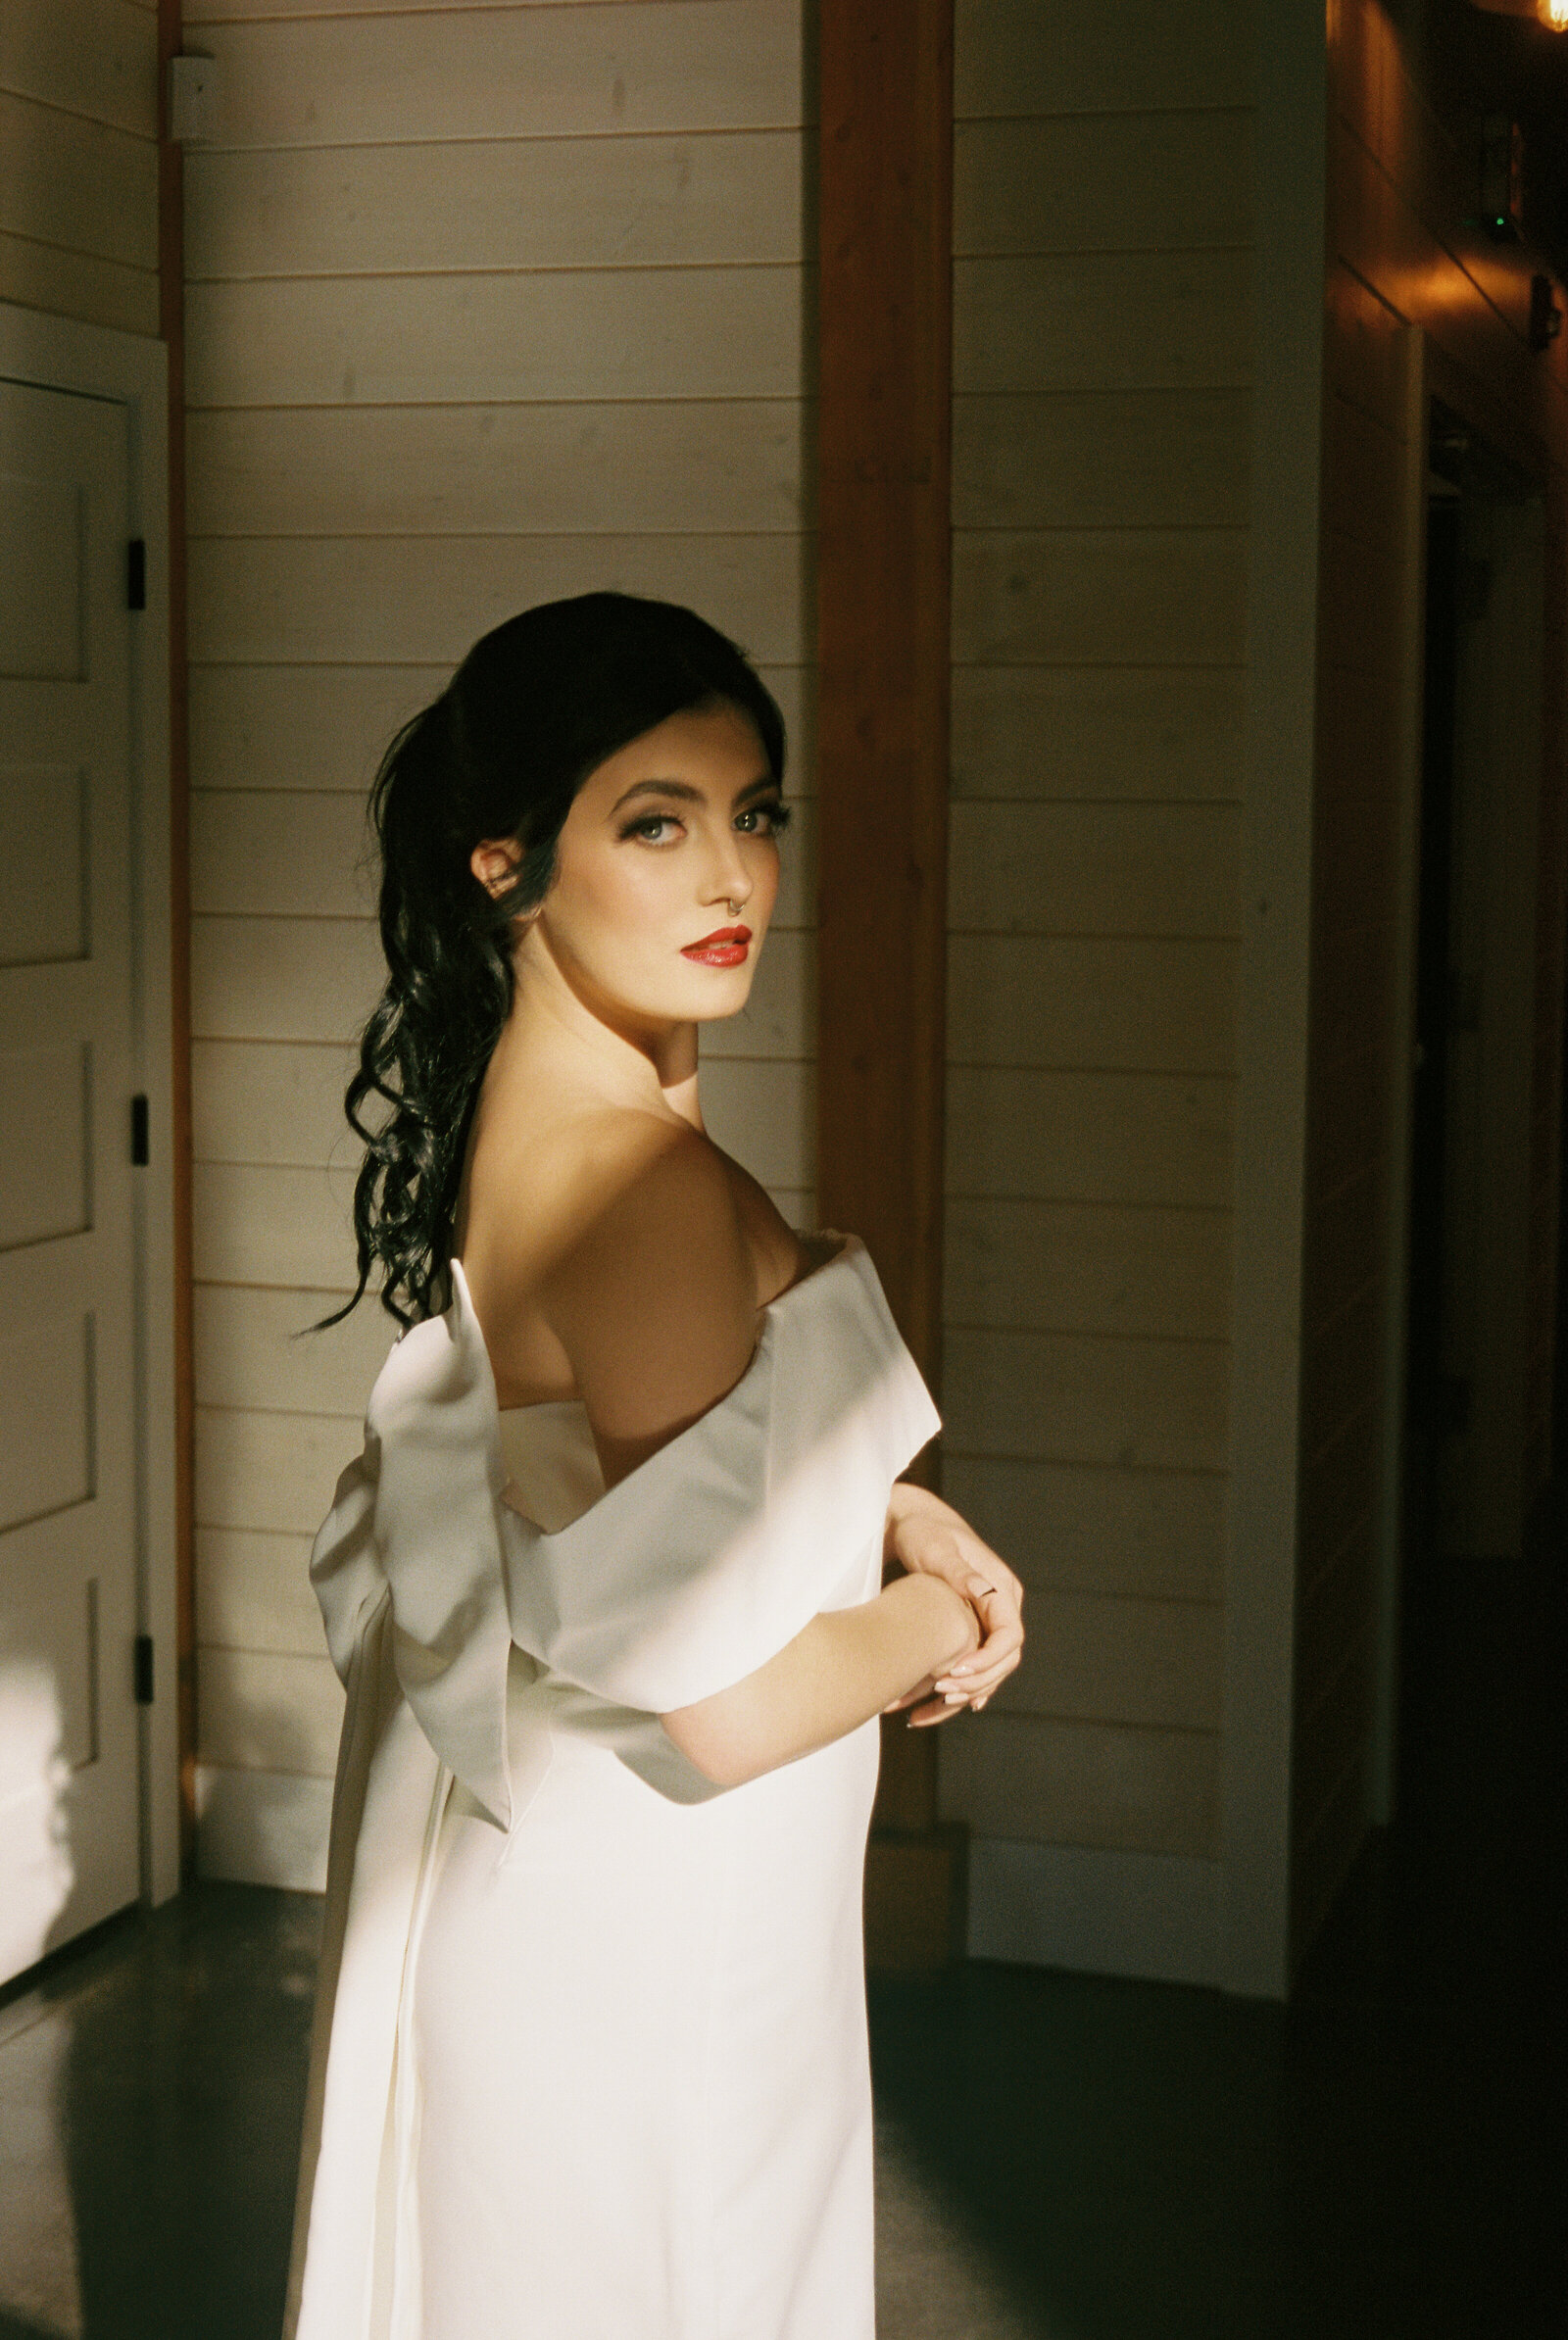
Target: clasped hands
column 926, row 1536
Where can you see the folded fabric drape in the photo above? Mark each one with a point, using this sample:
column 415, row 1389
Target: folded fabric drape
column 680, row 1581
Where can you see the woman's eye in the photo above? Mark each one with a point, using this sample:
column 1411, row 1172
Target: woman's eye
column 655, row 828
column 762, row 821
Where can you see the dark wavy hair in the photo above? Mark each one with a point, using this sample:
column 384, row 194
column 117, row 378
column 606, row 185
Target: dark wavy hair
column 534, row 707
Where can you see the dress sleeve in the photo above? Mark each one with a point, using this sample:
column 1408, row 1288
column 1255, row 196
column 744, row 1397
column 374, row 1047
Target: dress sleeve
column 703, row 1563
column 683, row 1578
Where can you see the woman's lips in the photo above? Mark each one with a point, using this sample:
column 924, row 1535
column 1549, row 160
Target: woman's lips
column 726, row 947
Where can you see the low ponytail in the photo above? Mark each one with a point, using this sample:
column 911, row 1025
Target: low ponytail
column 535, row 706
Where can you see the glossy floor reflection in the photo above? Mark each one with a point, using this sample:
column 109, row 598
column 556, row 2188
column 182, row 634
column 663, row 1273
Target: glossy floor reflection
column 1060, row 2158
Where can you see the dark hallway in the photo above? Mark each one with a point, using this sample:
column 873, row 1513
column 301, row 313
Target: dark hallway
column 1062, row 2156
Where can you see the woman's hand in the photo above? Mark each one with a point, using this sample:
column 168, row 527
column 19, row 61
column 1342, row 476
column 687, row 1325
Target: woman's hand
column 925, row 1537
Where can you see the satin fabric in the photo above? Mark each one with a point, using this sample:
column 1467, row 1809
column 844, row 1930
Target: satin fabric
column 589, row 2059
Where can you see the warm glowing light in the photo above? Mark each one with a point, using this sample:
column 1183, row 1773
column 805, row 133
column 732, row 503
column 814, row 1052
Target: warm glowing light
column 1554, row 14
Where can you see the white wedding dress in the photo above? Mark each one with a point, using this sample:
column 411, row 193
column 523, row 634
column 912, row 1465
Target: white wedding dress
column 590, row 2056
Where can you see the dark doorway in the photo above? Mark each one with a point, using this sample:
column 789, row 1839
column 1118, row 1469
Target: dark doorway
column 1478, row 1545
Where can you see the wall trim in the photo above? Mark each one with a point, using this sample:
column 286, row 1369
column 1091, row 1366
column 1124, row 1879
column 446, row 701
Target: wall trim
column 1288, row 285
column 59, row 353
column 1148, row 1917
column 262, row 1827
column 884, row 416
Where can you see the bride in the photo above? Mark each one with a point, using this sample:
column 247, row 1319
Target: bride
column 606, row 1586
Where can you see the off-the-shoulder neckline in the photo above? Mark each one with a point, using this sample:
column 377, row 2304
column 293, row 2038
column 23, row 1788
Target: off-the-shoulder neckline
column 848, row 1246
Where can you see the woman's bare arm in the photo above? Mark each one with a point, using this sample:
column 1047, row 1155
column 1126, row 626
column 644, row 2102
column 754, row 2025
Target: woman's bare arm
column 656, row 1308
column 845, row 1667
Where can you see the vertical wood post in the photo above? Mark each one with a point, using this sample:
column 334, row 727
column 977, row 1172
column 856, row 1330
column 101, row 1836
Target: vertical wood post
column 885, row 198
column 172, row 329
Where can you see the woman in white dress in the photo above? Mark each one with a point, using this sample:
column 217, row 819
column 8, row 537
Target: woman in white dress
column 606, row 1586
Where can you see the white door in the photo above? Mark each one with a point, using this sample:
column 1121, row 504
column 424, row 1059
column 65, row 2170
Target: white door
column 68, row 1782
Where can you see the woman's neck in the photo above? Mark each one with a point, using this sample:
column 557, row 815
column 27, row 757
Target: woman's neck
column 559, row 1041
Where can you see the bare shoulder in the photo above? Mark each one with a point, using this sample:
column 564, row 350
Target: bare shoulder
column 652, row 1292
column 778, row 1256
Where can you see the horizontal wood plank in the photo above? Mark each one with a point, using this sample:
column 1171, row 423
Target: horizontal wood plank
column 289, row 1225
column 100, row 292
column 261, row 1710
column 1108, row 458
column 269, row 1471
column 1089, row 1136
column 1094, row 1527
column 688, row 468
column 281, row 853
column 287, row 600
column 271, row 1102
column 1085, row 1398
column 1101, row 321
column 1095, row 1658
column 526, row 203
column 253, row 1592
column 1101, row 55
column 281, row 1102
column 254, row 1350
column 1125, row 597
column 1075, row 1267
column 764, row 1115
column 284, row 978
column 1155, row 181
column 1116, row 1005
column 1102, row 733
column 492, row 339
column 77, row 184
column 95, row 59
column 275, row 1226
column 268, row 853
column 325, row 727
column 487, row 73
column 779, row 1020
column 1093, row 1783
column 1146, row 869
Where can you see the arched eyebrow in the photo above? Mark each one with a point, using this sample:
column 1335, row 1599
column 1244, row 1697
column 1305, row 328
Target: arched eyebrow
column 764, row 784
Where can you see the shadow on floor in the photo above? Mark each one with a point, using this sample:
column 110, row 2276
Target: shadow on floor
column 1383, row 2160
column 151, row 2090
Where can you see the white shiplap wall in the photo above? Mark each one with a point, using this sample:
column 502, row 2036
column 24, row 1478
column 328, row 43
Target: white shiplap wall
column 78, row 160
column 1100, row 440
column 484, row 304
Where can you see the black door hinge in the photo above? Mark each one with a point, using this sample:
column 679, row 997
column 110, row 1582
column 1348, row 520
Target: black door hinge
column 136, row 575
column 140, row 1141
column 143, row 1669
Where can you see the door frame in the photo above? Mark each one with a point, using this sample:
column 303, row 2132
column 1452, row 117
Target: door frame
column 1429, row 375
column 57, row 352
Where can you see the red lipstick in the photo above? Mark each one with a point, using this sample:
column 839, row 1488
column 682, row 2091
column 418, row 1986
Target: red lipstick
column 725, row 946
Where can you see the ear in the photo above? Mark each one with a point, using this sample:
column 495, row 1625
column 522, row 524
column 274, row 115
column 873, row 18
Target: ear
column 494, row 862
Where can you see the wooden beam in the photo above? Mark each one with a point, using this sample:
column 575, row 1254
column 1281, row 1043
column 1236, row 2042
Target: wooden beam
column 172, row 329
column 885, row 243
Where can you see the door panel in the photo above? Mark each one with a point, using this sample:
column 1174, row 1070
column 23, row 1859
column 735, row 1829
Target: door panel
column 68, row 1799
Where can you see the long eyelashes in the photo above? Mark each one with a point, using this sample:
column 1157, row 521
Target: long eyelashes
column 648, row 825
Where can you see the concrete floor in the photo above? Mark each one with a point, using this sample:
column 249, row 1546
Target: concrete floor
column 1060, row 2156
